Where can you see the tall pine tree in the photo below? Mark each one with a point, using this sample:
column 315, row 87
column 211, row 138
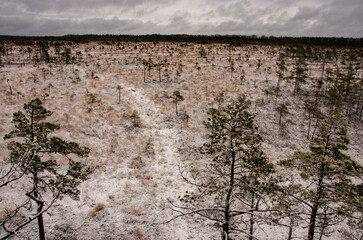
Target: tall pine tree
column 33, row 153
column 330, row 191
column 232, row 193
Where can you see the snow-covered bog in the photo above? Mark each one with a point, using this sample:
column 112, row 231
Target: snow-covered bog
column 135, row 169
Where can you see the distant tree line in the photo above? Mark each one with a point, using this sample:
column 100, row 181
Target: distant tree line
column 206, row 39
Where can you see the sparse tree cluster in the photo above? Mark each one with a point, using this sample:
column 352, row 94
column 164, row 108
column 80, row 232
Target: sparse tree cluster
column 241, row 189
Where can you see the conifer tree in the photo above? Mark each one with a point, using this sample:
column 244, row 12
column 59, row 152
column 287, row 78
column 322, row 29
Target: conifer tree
column 33, row 154
column 135, row 118
column 118, row 88
column 66, row 54
column 282, row 110
column 300, row 70
column 330, row 193
column 234, row 189
column 177, row 98
column 313, row 111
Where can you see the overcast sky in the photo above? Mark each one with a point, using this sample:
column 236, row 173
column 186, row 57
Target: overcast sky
column 327, row 18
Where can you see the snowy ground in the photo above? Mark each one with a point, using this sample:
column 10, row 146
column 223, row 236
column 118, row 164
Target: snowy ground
column 135, row 169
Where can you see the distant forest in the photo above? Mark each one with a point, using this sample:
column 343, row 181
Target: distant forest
column 204, row 39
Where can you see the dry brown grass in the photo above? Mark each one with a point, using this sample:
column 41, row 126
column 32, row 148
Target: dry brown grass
column 153, row 192
column 137, row 211
column 99, row 207
column 131, row 137
column 195, row 171
column 197, row 130
column 138, row 233
column 66, row 115
column 136, row 163
column 5, row 212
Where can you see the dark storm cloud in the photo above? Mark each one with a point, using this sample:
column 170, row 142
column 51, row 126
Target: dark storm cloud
column 261, row 17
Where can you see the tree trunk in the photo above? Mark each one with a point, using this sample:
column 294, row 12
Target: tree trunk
column 278, row 81
column 227, row 207
column 316, row 126
column 11, row 91
column 40, row 204
column 176, row 106
column 357, row 106
column 309, row 125
column 324, row 226
column 41, row 225
column 323, row 70
column 296, row 88
column 252, row 220
column 313, row 214
column 316, row 205
column 289, row 236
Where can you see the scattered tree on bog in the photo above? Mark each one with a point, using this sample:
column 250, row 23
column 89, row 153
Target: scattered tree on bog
column 33, row 154
column 282, row 110
column 332, row 189
column 177, row 97
column 233, row 191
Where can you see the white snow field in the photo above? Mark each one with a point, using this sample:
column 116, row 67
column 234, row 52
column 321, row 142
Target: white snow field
column 136, row 169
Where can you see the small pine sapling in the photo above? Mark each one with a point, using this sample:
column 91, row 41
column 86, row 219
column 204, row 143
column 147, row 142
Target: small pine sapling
column 135, row 117
column 177, row 98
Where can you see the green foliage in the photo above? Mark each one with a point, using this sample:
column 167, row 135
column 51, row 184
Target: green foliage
column 92, row 98
column 177, row 98
column 66, row 54
column 202, row 52
column 238, row 171
column 135, row 118
column 300, row 72
column 331, row 192
column 32, row 154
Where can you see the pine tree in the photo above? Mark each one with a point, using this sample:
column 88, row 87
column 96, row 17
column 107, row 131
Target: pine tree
column 32, row 153
column 300, row 70
column 237, row 173
column 118, row 88
column 66, row 54
column 282, row 110
column 330, row 192
column 135, row 118
column 177, row 98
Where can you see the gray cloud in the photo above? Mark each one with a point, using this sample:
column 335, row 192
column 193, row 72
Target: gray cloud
column 56, row 27
column 262, row 17
column 42, row 6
